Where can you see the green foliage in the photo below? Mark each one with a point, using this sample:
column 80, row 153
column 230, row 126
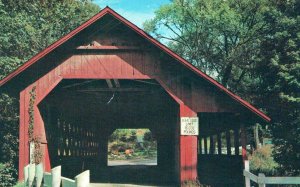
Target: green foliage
column 124, row 135
column 26, row 28
column 261, row 161
column 7, row 175
column 191, row 183
column 37, row 154
column 31, row 114
column 252, row 47
column 219, row 37
column 148, row 136
column 19, row 184
column 8, row 129
column 127, row 139
column 9, row 132
column 279, row 70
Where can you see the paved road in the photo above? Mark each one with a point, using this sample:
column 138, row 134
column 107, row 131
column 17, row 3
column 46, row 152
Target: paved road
column 119, row 185
column 146, row 162
column 124, row 163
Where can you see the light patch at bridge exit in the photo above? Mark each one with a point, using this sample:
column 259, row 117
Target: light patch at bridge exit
column 189, row 126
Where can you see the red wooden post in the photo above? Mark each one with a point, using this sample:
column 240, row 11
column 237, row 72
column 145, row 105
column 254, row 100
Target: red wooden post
column 244, row 142
column 23, row 146
column 39, row 131
column 47, row 163
column 188, row 150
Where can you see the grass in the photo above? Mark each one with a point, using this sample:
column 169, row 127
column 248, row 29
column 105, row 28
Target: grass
column 19, row 184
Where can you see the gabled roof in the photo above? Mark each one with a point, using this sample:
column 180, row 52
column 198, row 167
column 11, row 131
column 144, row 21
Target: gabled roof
column 139, row 31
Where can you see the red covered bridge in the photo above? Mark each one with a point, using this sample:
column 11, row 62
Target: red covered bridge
column 108, row 74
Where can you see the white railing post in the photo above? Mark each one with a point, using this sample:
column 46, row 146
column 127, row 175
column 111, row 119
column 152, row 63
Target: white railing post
column 56, row 176
column 31, row 152
column 67, row 182
column 83, row 179
column 31, row 174
column 247, row 168
column 26, row 169
column 261, row 180
column 39, row 170
column 47, row 179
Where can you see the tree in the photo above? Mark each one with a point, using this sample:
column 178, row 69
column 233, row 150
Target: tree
column 8, row 140
column 246, row 45
column 219, row 37
column 279, row 70
column 27, row 27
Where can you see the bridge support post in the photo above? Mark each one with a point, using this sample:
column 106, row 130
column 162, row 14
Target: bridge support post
column 188, row 150
column 244, row 142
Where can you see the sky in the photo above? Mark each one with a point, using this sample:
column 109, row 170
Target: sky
column 136, row 11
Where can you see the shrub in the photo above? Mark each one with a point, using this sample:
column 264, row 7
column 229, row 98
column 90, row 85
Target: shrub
column 192, row 183
column 19, row 184
column 117, row 147
column 9, row 131
column 148, row 136
column 8, row 175
column 261, row 161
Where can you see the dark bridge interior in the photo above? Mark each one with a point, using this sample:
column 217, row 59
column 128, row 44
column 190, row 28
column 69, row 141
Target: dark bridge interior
column 80, row 115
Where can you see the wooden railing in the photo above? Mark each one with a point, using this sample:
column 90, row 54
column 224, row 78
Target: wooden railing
column 34, row 176
column 262, row 180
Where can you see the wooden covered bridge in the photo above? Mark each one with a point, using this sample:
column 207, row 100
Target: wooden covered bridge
column 109, row 74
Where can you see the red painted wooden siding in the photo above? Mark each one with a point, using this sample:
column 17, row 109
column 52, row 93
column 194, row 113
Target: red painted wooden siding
column 190, row 93
column 119, row 65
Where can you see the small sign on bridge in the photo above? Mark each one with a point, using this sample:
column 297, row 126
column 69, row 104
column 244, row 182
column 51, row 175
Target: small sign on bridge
column 189, row 126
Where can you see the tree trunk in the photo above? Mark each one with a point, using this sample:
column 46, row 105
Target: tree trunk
column 227, row 74
column 256, row 138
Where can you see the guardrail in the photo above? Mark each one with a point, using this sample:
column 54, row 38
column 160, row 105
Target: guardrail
column 262, row 180
column 34, row 176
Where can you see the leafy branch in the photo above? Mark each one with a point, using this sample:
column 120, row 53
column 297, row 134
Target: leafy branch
column 37, row 154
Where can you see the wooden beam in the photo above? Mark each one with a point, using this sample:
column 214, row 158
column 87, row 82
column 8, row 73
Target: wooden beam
column 109, row 83
column 79, row 84
column 219, row 143
column 109, row 47
column 212, row 145
column 200, row 146
column 117, row 90
column 117, row 83
column 244, row 142
column 205, row 145
column 236, row 141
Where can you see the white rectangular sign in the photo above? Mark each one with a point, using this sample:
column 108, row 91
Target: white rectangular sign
column 189, row 126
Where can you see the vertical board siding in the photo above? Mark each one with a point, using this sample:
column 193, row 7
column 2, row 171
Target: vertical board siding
column 105, row 66
column 26, row 120
column 22, row 136
column 188, row 149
